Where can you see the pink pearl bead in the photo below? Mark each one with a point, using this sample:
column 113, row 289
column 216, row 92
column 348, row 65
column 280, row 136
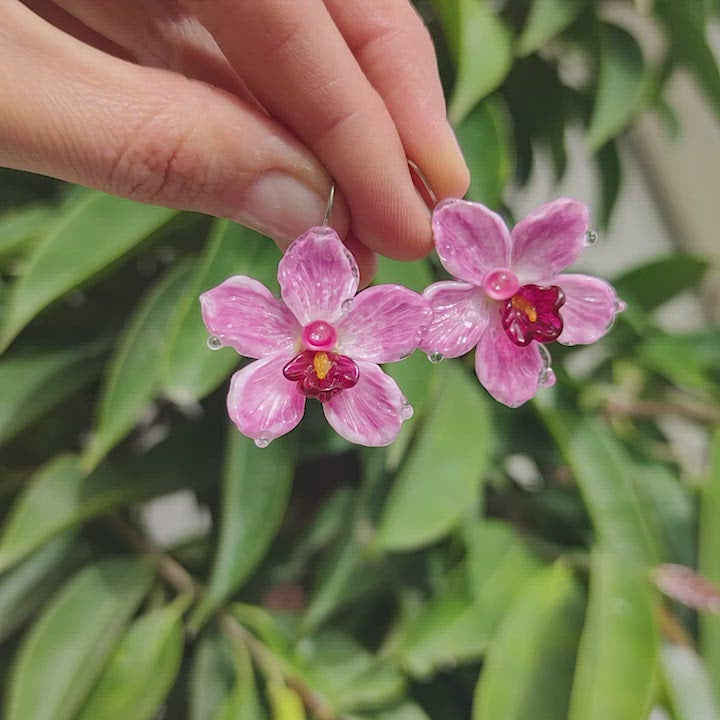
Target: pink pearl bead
column 500, row 283
column 318, row 336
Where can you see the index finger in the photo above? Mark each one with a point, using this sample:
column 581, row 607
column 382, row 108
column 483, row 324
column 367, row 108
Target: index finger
column 394, row 49
column 296, row 62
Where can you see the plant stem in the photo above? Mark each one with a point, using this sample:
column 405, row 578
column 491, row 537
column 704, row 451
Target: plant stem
column 177, row 577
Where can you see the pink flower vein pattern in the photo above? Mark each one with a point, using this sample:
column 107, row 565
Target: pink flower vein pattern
column 508, row 298
column 318, row 341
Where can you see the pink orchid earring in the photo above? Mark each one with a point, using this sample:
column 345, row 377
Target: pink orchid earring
column 318, row 341
column 508, row 299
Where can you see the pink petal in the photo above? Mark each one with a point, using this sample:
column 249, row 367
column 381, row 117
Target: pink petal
column 589, row 310
column 245, row 315
column 470, row 239
column 549, row 239
column 385, row 324
column 317, row 274
column 371, row 412
column 460, row 315
column 261, row 402
column 510, row 373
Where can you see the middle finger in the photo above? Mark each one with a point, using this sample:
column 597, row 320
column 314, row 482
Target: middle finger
column 295, row 61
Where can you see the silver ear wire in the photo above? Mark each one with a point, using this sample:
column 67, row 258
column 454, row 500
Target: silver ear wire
column 421, row 176
column 329, row 207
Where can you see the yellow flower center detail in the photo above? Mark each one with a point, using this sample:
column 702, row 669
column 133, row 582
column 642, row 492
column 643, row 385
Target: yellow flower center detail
column 524, row 305
column 322, row 365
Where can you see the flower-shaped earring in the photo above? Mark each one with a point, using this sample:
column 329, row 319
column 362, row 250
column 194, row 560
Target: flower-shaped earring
column 508, row 299
column 318, row 341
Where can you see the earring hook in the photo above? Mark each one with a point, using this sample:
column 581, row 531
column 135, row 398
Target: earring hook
column 329, row 206
column 424, row 181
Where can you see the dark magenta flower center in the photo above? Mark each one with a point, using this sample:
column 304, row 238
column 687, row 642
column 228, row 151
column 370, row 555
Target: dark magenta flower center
column 321, row 375
column 532, row 313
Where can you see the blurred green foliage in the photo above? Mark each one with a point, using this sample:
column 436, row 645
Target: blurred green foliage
column 491, row 564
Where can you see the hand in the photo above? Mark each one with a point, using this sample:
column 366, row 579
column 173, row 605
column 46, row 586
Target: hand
column 238, row 108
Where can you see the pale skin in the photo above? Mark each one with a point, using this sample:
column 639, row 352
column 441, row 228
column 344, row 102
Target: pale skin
column 238, row 108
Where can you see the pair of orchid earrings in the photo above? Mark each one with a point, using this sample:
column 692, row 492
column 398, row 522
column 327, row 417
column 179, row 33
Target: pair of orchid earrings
column 321, row 340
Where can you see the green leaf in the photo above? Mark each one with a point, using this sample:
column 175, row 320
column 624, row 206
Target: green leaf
column 687, row 32
column 539, row 108
column 335, row 582
column 61, row 494
column 211, row 676
column 414, row 275
column 191, row 370
column 604, row 473
column 26, row 587
column 86, row 236
column 687, row 361
column 610, row 171
column 546, row 20
column 142, row 669
column 256, row 488
column 535, row 646
column 498, row 562
column 669, row 510
column 482, row 50
column 406, row 711
column 346, row 674
column 242, row 703
column 709, row 562
column 19, row 226
column 615, row 672
column 457, row 623
column 65, row 651
column 267, row 627
column 134, row 370
column 349, row 570
column 653, row 284
column 32, row 383
column 448, row 629
column 621, row 85
column 416, row 379
column 286, row 704
column 440, row 480
column 349, row 573
column 687, row 684
column 485, row 140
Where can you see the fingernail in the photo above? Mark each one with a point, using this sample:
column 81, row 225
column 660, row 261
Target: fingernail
column 281, row 206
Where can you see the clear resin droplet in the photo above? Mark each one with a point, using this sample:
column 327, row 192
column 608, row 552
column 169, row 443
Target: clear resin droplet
column 546, row 376
column 435, row 357
column 262, row 442
column 214, row 342
column 591, row 237
column 406, row 411
column 347, row 304
column 470, row 317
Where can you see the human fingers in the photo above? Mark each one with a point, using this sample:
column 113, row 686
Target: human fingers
column 295, row 61
column 394, row 49
column 152, row 33
column 149, row 134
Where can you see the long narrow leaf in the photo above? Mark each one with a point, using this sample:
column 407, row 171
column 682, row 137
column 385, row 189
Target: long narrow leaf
column 86, row 236
column 65, row 651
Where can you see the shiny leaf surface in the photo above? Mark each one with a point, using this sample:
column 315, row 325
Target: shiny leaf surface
column 66, row 649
